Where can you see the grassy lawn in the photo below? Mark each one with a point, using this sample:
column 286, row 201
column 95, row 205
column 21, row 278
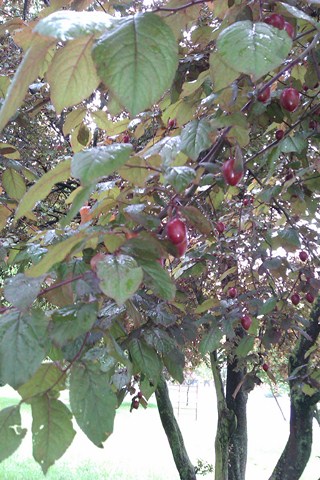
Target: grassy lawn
column 138, row 448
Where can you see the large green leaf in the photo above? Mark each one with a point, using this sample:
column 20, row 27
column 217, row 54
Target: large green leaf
column 22, row 340
column 11, row 433
column 253, row 48
column 195, row 138
column 137, row 60
column 180, row 177
column 174, row 362
column 24, row 76
column 56, row 254
column 92, row 401
column 119, row 277
column 211, row 340
column 21, row 291
column 52, row 430
column 158, row 279
column 221, row 74
column 48, row 379
column 245, row 346
column 197, row 219
column 145, row 359
column 69, row 25
column 42, row 187
column 98, row 162
column 70, row 66
column 13, row 184
column 68, row 323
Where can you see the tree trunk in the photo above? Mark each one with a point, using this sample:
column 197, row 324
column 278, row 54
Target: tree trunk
column 185, row 468
column 237, row 404
column 296, row 453
column 225, row 420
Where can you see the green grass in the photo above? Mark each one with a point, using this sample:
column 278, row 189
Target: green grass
column 138, row 449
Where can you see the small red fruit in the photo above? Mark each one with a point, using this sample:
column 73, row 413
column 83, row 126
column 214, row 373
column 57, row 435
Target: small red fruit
column 231, row 176
column 246, row 322
column 140, row 394
column 232, row 292
column 290, row 99
column 265, row 95
column 275, row 20
column 135, row 403
column 265, row 367
column 126, row 138
column 176, row 231
column 305, row 88
column 279, row 134
column 289, row 28
column 171, row 123
column 303, row 255
column 246, row 202
column 220, row 227
column 309, row 297
column 295, row 298
column 313, row 124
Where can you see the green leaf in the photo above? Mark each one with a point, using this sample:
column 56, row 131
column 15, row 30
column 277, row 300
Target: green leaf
column 268, row 306
column 73, row 120
column 68, row 25
column 295, row 12
column 119, row 277
column 22, row 340
column 180, row 177
column 21, row 291
column 145, row 359
column 135, row 171
column 11, row 433
column 70, row 66
column 253, row 48
column 94, row 163
column 145, row 247
column 81, row 197
column 13, row 184
column 28, row 70
column 195, row 138
column 222, row 75
column 68, row 323
column 174, row 362
column 289, row 238
column 5, row 213
column 206, row 305
column 57, row 253
column 137, row 60
column 245, row 346
column 52, row 430
column 211, row 340
column 297, row 143
column 197, row 219
column 92, row 401
column 48, row 379
column 158, row 279
column 42, row 187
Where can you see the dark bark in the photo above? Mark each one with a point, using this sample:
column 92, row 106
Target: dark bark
column 185, row 468
column 296, row 453
column 237, row 404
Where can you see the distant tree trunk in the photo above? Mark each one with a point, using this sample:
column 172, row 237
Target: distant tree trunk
column 185, row 468
column 225, row 421
column 237, row 404
column 296, row 453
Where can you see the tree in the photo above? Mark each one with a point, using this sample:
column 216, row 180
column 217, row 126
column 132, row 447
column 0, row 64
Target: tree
column 153, row 159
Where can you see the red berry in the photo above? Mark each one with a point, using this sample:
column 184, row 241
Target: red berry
column 176, row 231
column 309, row 297
column 303, row 255
column 182, row 247
column 275, row 20
column 265, row 95
column 279, row 134
column 246, row 202
column 135, row 403
column 295, row 299
column 230, row 175
column 290, row 99
column 220, row 227
column 265, row 367
column 232, row 292
column 289, row 28
column 246, row 322
column 171, row 123
column 305, row 88
column 126, row 138
column 140, row 395
column 313, row 124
